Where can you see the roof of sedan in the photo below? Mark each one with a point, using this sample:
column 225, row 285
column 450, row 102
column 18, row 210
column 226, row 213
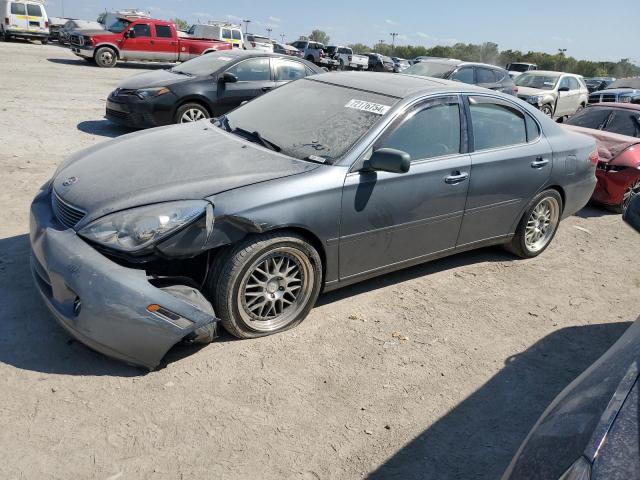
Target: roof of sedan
column 392, row 84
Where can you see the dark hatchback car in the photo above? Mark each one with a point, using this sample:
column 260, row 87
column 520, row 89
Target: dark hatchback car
column 591, row 431
column 483, row 75
column 204, row 87
column 620, row 118
column 322, row 183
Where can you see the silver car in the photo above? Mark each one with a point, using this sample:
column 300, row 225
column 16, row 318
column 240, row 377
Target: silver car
column 155, row 237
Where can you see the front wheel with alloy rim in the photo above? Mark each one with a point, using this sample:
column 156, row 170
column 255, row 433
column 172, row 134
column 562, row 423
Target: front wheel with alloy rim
column 191, row 112
column 547, row 110
column 538, row 225
column 265, row 284
column 106, row 57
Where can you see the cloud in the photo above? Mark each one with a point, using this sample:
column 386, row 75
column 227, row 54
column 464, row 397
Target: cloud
column 391, row 22
column 426, row 36
column 275, row 19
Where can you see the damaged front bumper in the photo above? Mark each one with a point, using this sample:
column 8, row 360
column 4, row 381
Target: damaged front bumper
column 110, row 308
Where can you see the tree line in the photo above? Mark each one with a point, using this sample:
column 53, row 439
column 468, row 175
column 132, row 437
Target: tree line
column 489, row 52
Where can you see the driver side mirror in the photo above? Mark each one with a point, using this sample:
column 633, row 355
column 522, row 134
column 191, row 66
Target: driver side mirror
column 228, row 77
column 130, row 34
column 563, row 89
column 389, row 160
column 632, row 213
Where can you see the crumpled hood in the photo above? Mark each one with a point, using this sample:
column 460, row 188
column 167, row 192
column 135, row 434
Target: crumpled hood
column 157, row 78
column 610, row 145
column 533, row 91
column 178, row 162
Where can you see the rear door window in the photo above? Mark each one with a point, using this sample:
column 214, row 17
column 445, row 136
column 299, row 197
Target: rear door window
column 237, row 35
column 496, row 124
column 226, row 33
column 432, row 131
column 18, row 9
column 289, row 70
column 573, row 84
column 34, row 10
column 163, row 31
column 142, row 30
column 484, row 75
column 590, row 118
column 625, row 123
column 464, row 75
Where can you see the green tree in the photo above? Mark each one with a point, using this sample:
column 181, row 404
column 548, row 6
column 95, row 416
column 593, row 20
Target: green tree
column 319, row 36
column 180, row 23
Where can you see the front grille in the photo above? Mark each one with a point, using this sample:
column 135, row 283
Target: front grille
column 117, row 114
column 67, row 215
column 77, row 40
column 609, row 98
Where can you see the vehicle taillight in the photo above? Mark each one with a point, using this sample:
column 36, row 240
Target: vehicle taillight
column 515, row 90
column 46, row 24
column 349, row 57
column 253, row 44
column 321, row 53
column 594, row 158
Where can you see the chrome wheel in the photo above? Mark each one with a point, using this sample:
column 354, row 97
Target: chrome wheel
column 275, row 288
column 542, row 224
column 107, row 56
column 629, row 194
column 192, row 115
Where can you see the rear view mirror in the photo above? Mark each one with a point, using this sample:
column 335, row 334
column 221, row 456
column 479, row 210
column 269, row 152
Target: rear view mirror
column 389, row 160
column 563, row 89
column 632, row 213
column 228, row 77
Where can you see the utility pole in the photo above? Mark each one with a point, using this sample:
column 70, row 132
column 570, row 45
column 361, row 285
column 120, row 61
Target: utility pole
column 62, row 8
column 393, row 41
column 246, row 25
column 561, row 52
column 269, row 30
column 282, row 35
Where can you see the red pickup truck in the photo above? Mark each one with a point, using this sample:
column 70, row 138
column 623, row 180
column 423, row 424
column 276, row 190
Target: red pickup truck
column 140, row 39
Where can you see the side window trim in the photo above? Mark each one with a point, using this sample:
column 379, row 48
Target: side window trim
column 499, row 101
column 420, row 106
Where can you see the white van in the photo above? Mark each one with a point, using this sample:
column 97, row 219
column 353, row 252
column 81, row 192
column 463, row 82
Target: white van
column 24, row 19
column 226, row 32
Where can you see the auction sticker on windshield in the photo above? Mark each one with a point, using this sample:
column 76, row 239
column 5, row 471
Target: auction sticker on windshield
column 370, row 107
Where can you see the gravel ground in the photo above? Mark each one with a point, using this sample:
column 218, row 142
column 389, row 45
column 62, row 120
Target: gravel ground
column 434, row 372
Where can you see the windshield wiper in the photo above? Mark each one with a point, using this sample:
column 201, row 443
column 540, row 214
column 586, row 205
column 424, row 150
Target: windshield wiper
column 256, row 135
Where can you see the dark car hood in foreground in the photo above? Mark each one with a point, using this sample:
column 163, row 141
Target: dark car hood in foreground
column 157, row 78
column 579, row 418
column 190, row 161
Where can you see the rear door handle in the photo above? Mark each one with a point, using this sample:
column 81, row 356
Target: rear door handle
column 539, row 162
column 456, row 177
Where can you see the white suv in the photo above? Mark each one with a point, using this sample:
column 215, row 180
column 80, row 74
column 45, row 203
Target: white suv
column 556, row 94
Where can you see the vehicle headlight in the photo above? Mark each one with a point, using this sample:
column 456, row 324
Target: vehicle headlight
column 622, row 99
column 138, row 228
column 145, row 93
column 534, row 100
column 580, row 470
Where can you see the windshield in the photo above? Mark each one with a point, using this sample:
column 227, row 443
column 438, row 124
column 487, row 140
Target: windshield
column 331, row 50
column 626, row 83
column 119, row 26
column 519, row 67
column 430, row 69
column 541, row 82
column 311, row 120
column 205, row 64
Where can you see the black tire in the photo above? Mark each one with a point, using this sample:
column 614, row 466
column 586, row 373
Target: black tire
column 547, row 109
column 232, row 295
column 106, row 57
column 310, row 59
column 44, row 41
column 6, row 37
column 183, row 112
column 519, row 245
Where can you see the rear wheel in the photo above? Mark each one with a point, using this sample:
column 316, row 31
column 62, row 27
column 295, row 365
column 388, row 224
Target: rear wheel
column 191, row 112
column 44, row 41
column 538, row 225
column 266, row 284
column 106, row 57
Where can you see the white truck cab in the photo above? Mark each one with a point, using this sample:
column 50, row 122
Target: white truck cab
column 24, row 19
column 226, row 32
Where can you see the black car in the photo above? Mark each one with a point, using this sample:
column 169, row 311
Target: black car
column 597, row 84
column 380, row 63
column 481, row 74
column 591, row 431
column 620, row 118
column 204, row 87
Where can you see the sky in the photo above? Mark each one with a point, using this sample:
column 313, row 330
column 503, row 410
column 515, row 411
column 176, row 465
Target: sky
column 541, row 26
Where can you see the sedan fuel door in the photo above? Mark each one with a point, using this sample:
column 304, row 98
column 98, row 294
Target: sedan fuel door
column 394, row 219
column 510, row 163
column 244, row 81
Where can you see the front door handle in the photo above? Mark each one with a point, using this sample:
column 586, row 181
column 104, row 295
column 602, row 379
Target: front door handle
column 539, row 162
column 266, row 89
column 456, row 177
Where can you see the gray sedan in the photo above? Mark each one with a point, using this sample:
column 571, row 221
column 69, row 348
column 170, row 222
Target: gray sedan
column 155, row 237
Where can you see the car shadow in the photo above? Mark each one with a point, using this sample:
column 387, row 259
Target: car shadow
column 103, row 128
column 483, row 255
column 478, row 438
column 30, row 339
column 595, row 211
column 129, row 65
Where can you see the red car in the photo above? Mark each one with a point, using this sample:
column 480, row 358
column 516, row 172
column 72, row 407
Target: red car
column 140, row 39
column 616, row 128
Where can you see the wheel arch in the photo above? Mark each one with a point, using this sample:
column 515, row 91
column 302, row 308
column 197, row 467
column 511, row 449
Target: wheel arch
column 555, row 187
column 110, row 45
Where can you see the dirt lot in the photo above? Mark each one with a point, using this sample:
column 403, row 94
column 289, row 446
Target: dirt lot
column 485, row 342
